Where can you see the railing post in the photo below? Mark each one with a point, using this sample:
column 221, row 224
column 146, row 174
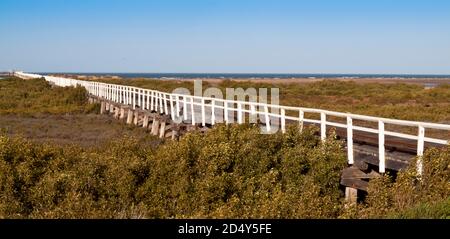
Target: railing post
column 172, row 112
column 213, row 112
column 283, row 121
column 253, row 118
column 381, row 149
column 177, row 103
column 420, row 149
column 155, row 95
column 152, row 98
column 185, row 108
column 126, row 96
column 166, row 111
column 323, row 126
column 134, row 98
column 203, row 113
column 115, row 93
column 239, row 105
column 225, row 109
column 139, row 102
column 267, row 118
column 161, row 106
column 192, row 111
column 119, row 92
column 148, row 100
column 350, row 140
column 301, row 117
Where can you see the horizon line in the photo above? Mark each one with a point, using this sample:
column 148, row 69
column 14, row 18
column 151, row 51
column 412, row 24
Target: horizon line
column 240, row 73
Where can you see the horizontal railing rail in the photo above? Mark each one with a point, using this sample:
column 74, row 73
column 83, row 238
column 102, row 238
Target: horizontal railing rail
column 177, row 105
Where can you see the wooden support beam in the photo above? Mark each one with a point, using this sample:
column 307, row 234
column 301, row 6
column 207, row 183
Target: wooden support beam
column 355, row 183
column 102, row 107
column 107, row 107
column 351, row 195
column 145, row 122
column 162, row 129
column 155, row 125
column 361, row 165
column 136, row 117
column 122, row 113
column 356, row 173
column 175, row 132
column 116, row 112
column 112, row 108
column 130, row 116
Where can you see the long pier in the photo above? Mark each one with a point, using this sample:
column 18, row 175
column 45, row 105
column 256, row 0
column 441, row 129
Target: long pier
column 370, row 150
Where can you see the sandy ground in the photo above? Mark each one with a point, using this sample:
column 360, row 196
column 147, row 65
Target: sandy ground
column 83, row 130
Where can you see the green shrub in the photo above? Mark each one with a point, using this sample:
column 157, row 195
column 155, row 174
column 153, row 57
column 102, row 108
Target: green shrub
column 411, row 193
column 28, row 97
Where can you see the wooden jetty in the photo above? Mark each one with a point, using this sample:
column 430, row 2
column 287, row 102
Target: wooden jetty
column 371, row 150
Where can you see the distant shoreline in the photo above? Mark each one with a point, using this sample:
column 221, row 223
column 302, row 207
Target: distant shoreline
column 250, row 76
column 264, row 78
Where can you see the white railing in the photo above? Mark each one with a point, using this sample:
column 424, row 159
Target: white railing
column 172, row 104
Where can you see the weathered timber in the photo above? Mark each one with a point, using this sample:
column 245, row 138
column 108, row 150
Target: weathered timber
column 355, row 183
column 356, row 173
column 102, row 107
column 155, row 125
column 107, row 107
column 391, row 162
column 351, row 195
column 116, row 112
column 136, row 117
column 361, row 165
column 122, row 112
column 145, row 122
column 130, row 116
column 162, row 130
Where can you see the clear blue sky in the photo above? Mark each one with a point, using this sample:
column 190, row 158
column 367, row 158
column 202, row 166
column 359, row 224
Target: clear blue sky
column 236, row 36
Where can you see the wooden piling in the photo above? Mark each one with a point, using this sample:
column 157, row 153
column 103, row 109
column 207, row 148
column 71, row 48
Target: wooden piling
column 145, row 123
column 351, row 195
column 175, row 131
column 136, row 117
column 116, row 112
column 111, row 108
column 122, row 113
column 102, row 107
column 130, row 116
column 106, row 107
column 155, row 125
column 162, row 129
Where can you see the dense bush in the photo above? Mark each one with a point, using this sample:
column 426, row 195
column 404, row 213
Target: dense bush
column 410, row 195
column 230, row 172
column 28, row 97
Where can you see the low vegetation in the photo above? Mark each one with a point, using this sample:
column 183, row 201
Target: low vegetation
column 228, row 172
column 29, row 97
column 42, row 113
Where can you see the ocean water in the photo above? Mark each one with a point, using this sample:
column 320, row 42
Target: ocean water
column 247, row 75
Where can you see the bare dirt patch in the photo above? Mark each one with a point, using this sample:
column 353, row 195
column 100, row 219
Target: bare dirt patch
column 85, row 130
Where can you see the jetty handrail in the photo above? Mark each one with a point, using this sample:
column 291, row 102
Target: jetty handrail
column 158, row 101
